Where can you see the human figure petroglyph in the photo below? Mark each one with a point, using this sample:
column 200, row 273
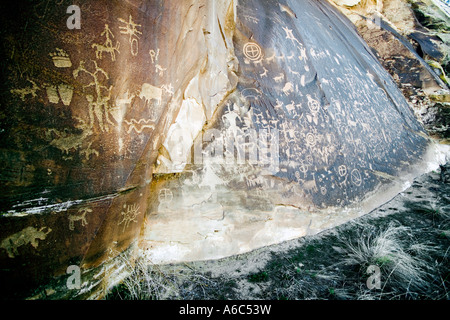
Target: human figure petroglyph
column 130, row 29
column 99, row 106
column 168, row 88
column 108, row 46
column 129, row 214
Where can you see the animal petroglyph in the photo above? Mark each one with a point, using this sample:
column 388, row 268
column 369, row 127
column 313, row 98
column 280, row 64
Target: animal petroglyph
column 251, row 19
column 27, row 90
column 65, row 141
column 79, row 217
column 160, row 70
column 108, row 46
column 149, row 93
column 29, row 235
column 290, row 35
column 279, row 78
column 288, row 89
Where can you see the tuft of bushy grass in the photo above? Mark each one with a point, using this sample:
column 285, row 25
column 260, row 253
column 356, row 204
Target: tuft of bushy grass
column 148, row 281
column 406, row 271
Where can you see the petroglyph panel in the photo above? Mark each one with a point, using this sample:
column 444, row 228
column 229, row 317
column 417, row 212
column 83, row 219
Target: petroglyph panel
column 328, row 100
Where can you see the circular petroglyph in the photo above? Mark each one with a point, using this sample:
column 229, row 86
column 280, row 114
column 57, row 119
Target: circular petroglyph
column 342, row 170
column 356, row 177
column 310, row 139
column 252, row 51
column 313, row 105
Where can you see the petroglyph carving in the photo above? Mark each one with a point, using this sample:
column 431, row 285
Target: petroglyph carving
column 279, row 105
column 154, row 55
column 280, row 78
column 29, row 235
column 139, row 126
column 27, row 90
column 99, row 106
column 108, row 46
column 288, row 88
column 311, row 139
column 149, row 92
column 65, row 141
column 130, row 29
column 61, row 59
column 165, row 195
column 342, row 170
column 264, row 74
column 63, row 91
column 251, row 18
column 356, row 177
column 313, row 104
column 290, row 35
column 160, row 70
column 252, row 51
column 79, row 217
column 129, row 214
column 168, row 88
column 52, row 94
column 311, row 185
column 271, row 58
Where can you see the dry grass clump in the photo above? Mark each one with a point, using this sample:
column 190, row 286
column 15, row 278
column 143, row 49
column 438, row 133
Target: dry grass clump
column 406, row 270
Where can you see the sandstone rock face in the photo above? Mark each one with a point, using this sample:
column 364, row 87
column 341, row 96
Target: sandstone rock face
column 84, row 114
column 189, row 130
column 315, row 134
